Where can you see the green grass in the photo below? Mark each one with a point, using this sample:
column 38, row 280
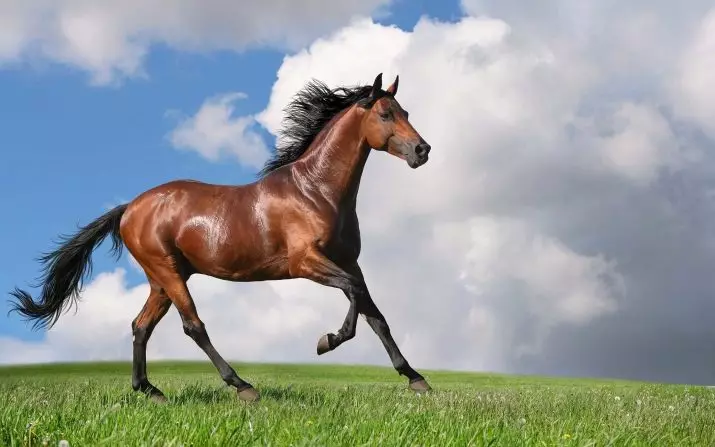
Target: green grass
column 92, row 405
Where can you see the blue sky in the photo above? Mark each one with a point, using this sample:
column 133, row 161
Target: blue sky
column 71, row 149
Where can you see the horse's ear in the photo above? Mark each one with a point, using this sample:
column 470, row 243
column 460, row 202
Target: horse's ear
column 392, row 90
column 375, row 93
column 376, row 86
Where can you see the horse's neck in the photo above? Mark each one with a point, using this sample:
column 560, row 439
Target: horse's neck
column 332, row 167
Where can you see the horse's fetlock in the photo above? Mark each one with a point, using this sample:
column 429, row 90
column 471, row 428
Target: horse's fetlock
column 138, row 385
column 347, row 335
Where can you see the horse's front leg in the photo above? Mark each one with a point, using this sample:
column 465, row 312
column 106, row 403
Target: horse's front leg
column 330, row 341
column 378, row 323
column 312, row 264
column 317, row 267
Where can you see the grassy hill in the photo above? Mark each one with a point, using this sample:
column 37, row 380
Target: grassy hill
column 312, row 405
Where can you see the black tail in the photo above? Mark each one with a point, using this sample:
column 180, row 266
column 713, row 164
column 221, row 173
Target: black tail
column 66, row 267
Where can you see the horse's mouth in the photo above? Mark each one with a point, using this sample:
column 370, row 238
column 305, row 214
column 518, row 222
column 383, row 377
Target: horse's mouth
column 416, row 161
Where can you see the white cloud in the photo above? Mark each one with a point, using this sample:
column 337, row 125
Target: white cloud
column 506, row 262
column 692, row 89
column 213, row 131
column 638, row 142
column 562, row 225
column 110, row 39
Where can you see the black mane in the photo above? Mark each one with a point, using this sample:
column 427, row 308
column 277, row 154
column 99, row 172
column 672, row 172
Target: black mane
column 306, row 115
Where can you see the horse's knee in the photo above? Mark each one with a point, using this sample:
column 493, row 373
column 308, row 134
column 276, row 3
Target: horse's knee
column 139, row 384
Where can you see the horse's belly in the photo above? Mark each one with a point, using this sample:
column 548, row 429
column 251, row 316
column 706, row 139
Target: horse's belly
column 231, row 255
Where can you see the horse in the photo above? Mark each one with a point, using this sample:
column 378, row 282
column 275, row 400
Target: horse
column 296, row 220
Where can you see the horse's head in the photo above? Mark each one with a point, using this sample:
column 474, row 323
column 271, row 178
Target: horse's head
column 385, row 126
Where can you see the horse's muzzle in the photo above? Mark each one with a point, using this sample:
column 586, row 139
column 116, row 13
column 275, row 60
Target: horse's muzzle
column 419, row 155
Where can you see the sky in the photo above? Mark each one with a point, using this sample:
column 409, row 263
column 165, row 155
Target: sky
column 563, row 225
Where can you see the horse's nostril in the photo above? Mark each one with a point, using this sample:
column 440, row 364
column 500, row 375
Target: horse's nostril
column 422, row 149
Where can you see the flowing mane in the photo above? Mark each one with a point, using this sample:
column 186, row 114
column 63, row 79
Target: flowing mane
column 306, row 115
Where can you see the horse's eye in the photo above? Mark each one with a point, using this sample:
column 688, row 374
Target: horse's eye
column 385, row 115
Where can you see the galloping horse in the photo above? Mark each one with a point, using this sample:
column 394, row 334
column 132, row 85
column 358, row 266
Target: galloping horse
column 298, row 220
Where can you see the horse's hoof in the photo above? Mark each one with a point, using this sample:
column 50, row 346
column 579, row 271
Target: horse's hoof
column 420, row 386
column 324, row 344
column 249, row 395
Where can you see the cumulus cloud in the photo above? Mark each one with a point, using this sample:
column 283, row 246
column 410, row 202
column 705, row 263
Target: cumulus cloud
column 213, row 131
column 110, row 39
column 562, row 225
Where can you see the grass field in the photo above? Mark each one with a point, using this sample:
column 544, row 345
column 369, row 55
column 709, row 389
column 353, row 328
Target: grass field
column 92, row 404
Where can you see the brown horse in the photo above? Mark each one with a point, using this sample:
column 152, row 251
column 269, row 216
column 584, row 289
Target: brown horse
column 298, row 220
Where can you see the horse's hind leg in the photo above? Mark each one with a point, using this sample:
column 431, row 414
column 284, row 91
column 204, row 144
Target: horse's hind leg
column 177, row 291
column 143, row 325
